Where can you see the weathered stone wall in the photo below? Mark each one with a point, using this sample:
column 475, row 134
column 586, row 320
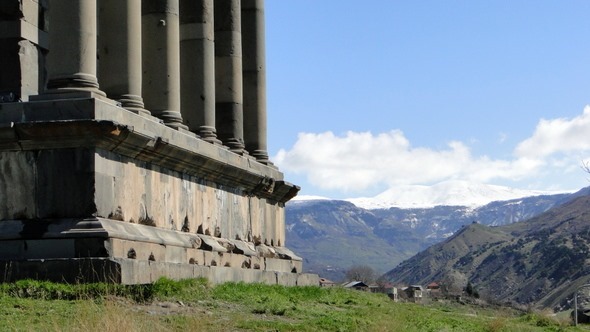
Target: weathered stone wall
column 139, row 192
column 77, row 183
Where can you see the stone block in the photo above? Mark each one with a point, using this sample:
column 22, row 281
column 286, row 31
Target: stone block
column 158, row 270
column 33, row 13
column 186, row 271
column 212, row 258
column 257, row 263
column 268, row 277
column 220, row 274
column 197, row 256
column 12, row 249
column 296, row 266
column 65, row 185
column 175, row 254
column 233, row 260
column 250, row 276
column 308, row 279
column 18, row 174
column 173, row 271
column 49, row 248
column 134, row 271
column 90, row 247
column 277, row 265
column 287, row 279
column 202, row 272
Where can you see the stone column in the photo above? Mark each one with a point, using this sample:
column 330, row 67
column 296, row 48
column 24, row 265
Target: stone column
column 161, row 60
column 228, row 74
column 197, row 60
column 254, row 66
column 120, row 52
column 71, row 61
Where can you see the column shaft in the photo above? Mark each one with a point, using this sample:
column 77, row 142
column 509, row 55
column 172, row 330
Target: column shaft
column 161, row 60
column 197, row 60
column 254, row 66
column 228, row 74
column 71, row 61
column 120, row 52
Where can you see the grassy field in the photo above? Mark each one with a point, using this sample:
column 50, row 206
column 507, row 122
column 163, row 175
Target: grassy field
column 193, row 305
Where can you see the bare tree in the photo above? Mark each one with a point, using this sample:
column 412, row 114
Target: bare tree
column 586, row 166
column 362, row 273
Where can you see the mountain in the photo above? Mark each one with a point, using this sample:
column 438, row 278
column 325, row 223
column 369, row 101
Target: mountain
column 540, row 261
column 334, row 235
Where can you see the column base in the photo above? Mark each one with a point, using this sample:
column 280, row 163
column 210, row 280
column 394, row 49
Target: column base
column 208, row 134
column 79, row 82
column 261, row 156
column 62, row 94
column 236, row 145
column 171, row 119
column 133, row 103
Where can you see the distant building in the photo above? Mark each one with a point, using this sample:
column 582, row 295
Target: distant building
column 390, row 290
column 434, row 290
column 414, row 293
column 358, row 285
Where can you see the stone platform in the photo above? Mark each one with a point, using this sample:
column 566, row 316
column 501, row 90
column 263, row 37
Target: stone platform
column 95, row 192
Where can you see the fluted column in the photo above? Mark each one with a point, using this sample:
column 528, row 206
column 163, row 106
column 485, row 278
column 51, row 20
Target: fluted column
column 254, row 71
column 120, row 52
column 71, row 61
column 197, row 60
column 161, row 60
column 228, row 74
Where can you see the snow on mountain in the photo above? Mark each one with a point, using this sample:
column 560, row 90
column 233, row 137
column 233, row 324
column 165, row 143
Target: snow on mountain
column 449, row 193
column 303, row 198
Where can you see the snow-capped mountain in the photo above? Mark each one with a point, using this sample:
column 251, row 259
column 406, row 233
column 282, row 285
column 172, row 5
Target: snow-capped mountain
column 448, row 193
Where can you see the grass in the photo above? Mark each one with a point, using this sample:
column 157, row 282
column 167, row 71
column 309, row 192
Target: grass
column 194, row 305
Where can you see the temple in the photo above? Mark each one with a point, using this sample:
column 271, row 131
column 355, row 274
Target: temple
column 133, row 144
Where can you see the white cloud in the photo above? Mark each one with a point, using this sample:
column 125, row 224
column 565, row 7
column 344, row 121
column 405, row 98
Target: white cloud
column 359, row 161
column 356, row 162
column 558, row 136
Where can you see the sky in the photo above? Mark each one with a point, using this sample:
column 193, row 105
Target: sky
column 367, row 95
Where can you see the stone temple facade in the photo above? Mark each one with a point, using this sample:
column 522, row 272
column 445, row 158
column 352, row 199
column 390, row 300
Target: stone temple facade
column 133, row 144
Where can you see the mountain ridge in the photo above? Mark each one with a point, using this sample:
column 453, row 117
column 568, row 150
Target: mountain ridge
column 333, row 235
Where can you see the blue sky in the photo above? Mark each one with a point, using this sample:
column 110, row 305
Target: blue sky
column 366, row 95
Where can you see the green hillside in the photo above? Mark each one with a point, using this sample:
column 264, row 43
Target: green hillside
column 539, row 262
column 193, row 305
